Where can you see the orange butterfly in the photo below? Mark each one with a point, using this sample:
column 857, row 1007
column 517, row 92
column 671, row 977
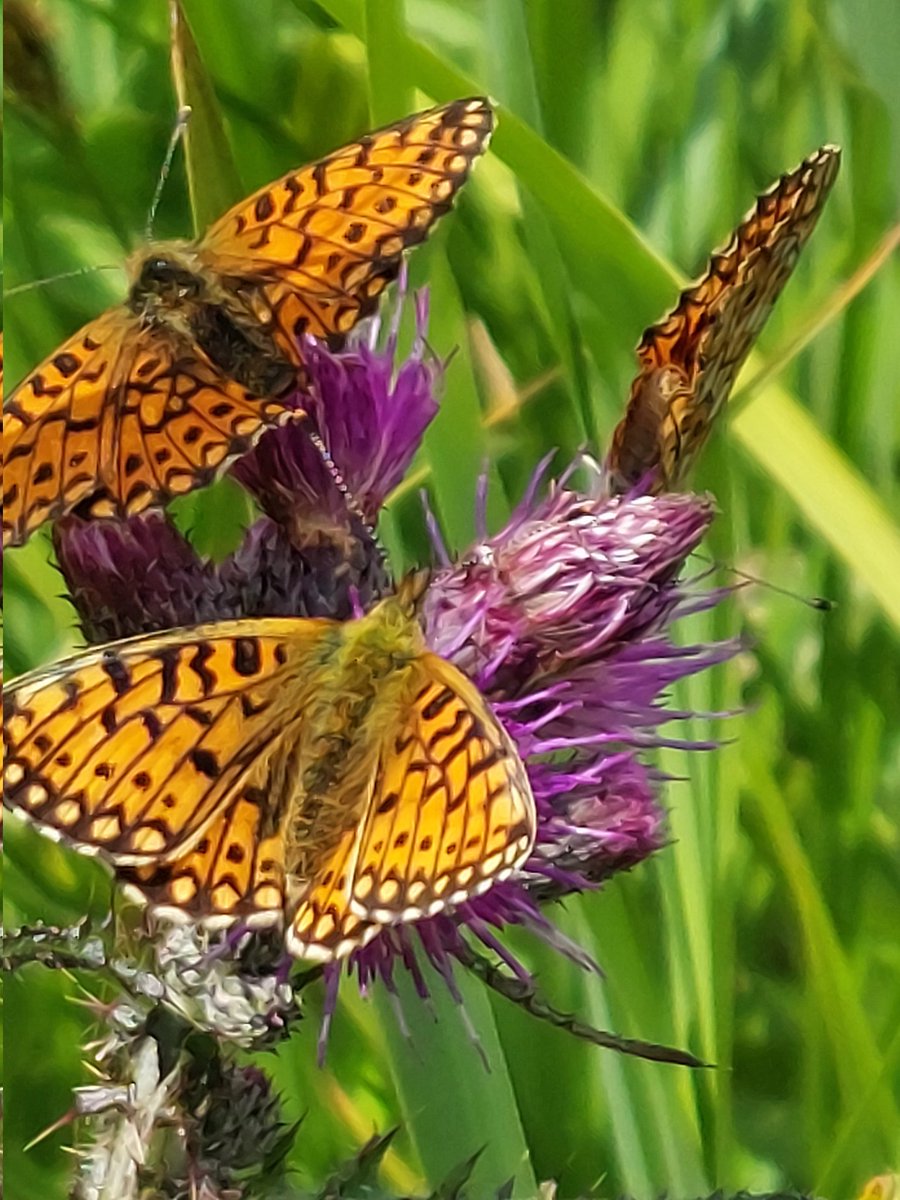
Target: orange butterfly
column 333, row 776
column 156, row 396
column 689, row 361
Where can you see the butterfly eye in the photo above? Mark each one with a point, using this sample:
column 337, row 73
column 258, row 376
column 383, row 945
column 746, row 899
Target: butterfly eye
column 161, row 276
column 155, row 271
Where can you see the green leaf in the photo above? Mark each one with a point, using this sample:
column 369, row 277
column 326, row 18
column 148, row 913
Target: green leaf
column 452, row 1052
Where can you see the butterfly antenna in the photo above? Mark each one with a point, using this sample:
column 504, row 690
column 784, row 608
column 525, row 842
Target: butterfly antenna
column 178, row 131
column 350, row 500
column 39, row 283
column 819, row 603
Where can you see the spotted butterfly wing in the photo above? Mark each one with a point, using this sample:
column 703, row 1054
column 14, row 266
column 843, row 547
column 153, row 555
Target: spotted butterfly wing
column 318, row 246
column 689, row 361
column 120, row 418
column 449, row 813
column 234, row 871
column 133, row 749
column 156, row 396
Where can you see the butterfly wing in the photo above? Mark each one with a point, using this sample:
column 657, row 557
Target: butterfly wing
column 235, row 870
column 122, row 418
column 137, row 748
column 449, row 813
column 689, row 361
column 321, row 243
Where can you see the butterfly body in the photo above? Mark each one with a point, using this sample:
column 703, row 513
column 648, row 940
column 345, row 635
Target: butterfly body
column 654, row 401
column 336, row 777
column 360, row 684
column 157, row 396
column 177, row 294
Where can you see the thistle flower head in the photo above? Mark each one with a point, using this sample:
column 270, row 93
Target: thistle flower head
column 562, row 619
column 567, row 580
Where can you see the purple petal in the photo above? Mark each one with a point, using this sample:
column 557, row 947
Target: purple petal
column 371, row 415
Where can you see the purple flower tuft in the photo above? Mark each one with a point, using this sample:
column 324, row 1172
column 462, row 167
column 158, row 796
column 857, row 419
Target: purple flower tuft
column 561, row 619
column 369, row 413
column 332, row 575
column 134, row 576
column 569, row 578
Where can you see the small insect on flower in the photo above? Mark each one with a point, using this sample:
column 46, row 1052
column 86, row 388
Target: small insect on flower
column 157, row 395
column 334, row 775
column 689, row 361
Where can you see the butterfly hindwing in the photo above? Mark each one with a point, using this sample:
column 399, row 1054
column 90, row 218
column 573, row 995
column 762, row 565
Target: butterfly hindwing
column 324, row 241
column 235, row 870
column 450, row 812
column 53, row 428
column 119, row 420
column 134, row 749
column 689, row 361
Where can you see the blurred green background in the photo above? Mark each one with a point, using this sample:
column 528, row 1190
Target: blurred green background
column 633, row 135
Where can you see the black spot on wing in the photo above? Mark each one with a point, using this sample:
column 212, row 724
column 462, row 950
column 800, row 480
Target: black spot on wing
column 247, row 656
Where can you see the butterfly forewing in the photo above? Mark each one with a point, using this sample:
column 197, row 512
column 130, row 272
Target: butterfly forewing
column 689, row 361
column 154, row 397
column 450, row 813
column 324, row 241
column 135, row 748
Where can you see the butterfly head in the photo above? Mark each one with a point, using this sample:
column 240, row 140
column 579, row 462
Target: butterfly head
column 163, row 277
column 411, row 590
column 392, row 626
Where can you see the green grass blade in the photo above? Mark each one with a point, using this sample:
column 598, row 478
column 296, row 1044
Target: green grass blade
column 454, row 1104
column 832, row 496
column 213, row 178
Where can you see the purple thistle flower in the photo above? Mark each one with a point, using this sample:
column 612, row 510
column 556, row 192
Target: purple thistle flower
column 561, row 619
column 370, row 414
column 134, row 576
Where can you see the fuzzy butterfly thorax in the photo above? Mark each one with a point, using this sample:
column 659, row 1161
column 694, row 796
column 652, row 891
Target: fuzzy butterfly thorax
column 175, row 293
column 660, row 395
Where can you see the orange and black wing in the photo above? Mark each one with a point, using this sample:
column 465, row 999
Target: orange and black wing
column 119, row 420
column 234, row 871
column 135, row 749
column 689, row 361
column 321, row 243
column 450, row 813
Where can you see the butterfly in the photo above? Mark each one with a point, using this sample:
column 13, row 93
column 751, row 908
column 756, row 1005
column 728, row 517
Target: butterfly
column 157, row 395
column 689, row 360
column 334, row 776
